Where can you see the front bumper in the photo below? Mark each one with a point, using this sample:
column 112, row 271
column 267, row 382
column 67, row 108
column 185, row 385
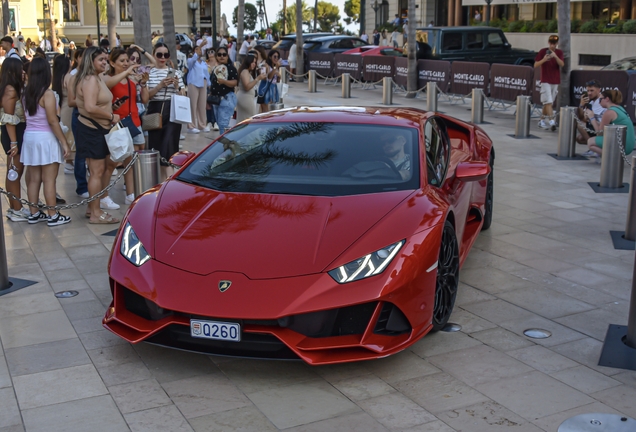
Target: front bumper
column 320, row 323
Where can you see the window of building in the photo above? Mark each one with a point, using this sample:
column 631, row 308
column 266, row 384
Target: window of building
column 125, row 10
column 71, row 10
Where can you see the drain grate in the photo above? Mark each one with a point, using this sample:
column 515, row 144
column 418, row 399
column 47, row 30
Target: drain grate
column 536, row 333
column 66, row 294
column 598, row 422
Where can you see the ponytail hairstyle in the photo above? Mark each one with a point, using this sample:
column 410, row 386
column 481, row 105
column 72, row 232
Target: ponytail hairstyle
column 615, row 96
column 39, row 81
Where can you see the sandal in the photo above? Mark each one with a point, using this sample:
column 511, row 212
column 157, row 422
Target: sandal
column 88, row 214
column 105, row 218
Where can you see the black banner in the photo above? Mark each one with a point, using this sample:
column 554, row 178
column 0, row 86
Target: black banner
column 609, row 79
column 322, row 63
column 508, row 81
column 465, row 76
column 377, row 67
column 401, row 71
column 347, row 63
column 438, row 71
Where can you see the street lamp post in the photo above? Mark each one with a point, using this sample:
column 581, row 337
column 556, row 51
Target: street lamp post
column 376, row 7
column 99, row 39
column 487, row 16
column 45, row 7
column 193, row 7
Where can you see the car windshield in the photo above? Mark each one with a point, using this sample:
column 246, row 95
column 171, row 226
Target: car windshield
column 624, row 64
column 311, row 46
column 309, row 158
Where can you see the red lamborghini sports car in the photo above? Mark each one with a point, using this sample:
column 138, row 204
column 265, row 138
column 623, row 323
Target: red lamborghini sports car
column 322, row 234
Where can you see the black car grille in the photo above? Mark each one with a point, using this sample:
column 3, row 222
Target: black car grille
column 143, row 307
column 391, row 321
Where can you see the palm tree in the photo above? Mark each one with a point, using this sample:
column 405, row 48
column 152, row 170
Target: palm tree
column 240, row 14
column 563, row 19
column 111, row 20
column 5, row 17
column 141, row 23
column 300, row 61
column 168, row 27
column 411, row 83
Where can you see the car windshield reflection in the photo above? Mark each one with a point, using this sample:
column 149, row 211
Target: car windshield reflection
column 309, row 158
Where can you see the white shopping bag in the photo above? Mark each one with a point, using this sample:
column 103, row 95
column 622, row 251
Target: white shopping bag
column 283, row 89
column 180, row 109
column 120, row 143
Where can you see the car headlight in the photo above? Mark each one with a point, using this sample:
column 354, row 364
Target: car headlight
column 131, row 247
column 369, row 265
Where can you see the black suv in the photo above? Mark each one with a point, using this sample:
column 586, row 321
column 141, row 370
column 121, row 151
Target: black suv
column 287, row 41
column 476, row 44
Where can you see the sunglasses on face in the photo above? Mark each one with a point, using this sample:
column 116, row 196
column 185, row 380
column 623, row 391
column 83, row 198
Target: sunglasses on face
column 162, row 55
column 221, row 54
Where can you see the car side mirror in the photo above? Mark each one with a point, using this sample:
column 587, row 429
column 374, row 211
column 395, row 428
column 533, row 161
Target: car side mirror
column 472, row 171
column 181, row 158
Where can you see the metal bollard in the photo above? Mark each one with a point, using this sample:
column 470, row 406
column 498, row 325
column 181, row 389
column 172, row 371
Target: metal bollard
column 431, row 96
column 146, row 171
column 612, row 162
column 567, row 133
column 630, row 339
column 630, row 225
column 4, row 269
column 346, row 85
column 387, row 90
column 522, row 122
column 477, row 106
column 283, row 75
column 312, row 81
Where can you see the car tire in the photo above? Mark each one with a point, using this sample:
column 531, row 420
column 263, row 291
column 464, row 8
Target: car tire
column 447, row 277
column 490, row 196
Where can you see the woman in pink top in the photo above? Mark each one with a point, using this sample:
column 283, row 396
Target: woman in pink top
column 44, row 147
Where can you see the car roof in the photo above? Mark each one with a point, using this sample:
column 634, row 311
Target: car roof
column 306, row 35
column 332, row 37
column 460, row 29
column 402, row 117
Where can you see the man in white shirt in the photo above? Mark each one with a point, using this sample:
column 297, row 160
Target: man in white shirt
column 45, row 44
column 182, row 59
column 245, row 47
column 7, row 45
column 223, row 42
column 590, row 100
column 268, row 34
column 21, row 46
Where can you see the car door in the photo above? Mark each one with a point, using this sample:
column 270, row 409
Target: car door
column 452, row 45
column 474, row 47
column 496, row 50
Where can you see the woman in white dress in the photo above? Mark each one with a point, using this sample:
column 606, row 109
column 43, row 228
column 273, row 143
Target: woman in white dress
column 246, row 98
column 44, row 147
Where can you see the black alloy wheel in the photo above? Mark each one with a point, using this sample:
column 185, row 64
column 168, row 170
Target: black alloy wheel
column 489, row 196
column 447, row 278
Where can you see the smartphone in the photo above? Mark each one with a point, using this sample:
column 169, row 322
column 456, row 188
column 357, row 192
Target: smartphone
column 121, row 99
column 588, row 106
column 548, row 52
column 170, row 74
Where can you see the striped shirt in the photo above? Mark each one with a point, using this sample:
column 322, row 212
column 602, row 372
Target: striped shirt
column 158, row 75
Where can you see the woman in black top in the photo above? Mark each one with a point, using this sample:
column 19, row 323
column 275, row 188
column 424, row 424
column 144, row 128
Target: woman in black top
column 223, row 80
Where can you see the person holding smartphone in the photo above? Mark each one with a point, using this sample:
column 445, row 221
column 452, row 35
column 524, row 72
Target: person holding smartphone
column 163, row 82
column 589, row 100
column 550, row 60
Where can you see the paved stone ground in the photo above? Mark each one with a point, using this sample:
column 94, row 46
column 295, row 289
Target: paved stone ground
column 547, row 262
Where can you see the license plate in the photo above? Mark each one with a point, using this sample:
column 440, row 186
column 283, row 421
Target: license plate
column 215, row 330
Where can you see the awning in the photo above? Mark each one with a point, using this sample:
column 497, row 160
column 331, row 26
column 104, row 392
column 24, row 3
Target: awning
column 505, row 2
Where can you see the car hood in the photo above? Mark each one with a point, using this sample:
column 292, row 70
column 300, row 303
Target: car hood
column 262, row 236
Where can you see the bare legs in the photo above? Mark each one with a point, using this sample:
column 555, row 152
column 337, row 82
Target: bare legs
column 46, row 175
column 14, row 186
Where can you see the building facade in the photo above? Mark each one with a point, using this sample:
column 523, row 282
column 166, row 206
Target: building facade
column 463, row 12
column 76, row 19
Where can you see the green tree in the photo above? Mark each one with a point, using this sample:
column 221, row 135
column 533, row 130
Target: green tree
column 352, row 10
column 328, row 15
column 290, row 16
column 251, row 16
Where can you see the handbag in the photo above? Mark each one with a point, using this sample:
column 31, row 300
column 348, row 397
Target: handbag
column 180, row 111
column 214, row 100
column 120, row 143
column 154, row 121
column 260, row 99
column 128, row 121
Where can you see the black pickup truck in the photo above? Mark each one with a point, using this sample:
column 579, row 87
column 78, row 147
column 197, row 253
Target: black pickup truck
column 475, row 44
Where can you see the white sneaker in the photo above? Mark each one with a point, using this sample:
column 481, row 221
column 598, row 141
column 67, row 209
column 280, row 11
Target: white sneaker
column 206, row 129
column 209, row 126
column 194, row 131
column 114, row 174
column 83, row 195
column 553, row 125
column 543, row 124
column 180, row 146
column 216, row 127
column 589, row 153
column 108, row 204
column 69, row 168
column 129, row 199
column 18, row 215
column 181, row 137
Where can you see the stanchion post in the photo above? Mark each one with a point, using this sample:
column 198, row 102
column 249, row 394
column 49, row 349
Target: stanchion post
column 522, row 121
column 431, row 96
column 4, row 269
column 477, row 106
column 283, row 75
column 612, row 162
column 346, row 85
column 312, row 81
column 630, row 339
column 146, row 171
column 387, row 90
column 630, row 225
column 567, row 133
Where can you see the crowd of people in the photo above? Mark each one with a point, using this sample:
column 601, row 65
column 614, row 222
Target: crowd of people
column 58, row 116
